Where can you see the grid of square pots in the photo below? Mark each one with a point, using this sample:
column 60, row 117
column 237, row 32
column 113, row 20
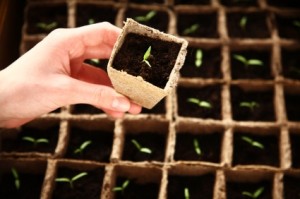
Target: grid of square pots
column 228, row 166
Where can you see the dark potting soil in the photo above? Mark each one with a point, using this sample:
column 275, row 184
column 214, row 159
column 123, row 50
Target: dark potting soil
column 85, row 109
column 240, row 71
column 160, row 20
column 19, row 145
column 154, row 141
column 285, row 3
column 211, row 94
column 162, row 59
column 100, row 63
column 210, row 67
column 246, row 154
column 99, row 150
column 244, row 3
column 30, row 185
column 148, row 1
column 264, row 111
column 96, row 13
column 56, row 110
column 286, row 27
column 137, row 190
column 292, row 106
column 159, row 108
column 254, row 20
column 290, row 62
column 207, row 25
column 234, row 190
column 291, row 186
column 210, row 146
column 88, row 186
column 49, row 13
column 200, row 187
column 295, row 147
column 193, row 2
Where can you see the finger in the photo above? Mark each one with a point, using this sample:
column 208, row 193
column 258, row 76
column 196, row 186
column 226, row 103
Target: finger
column 135, row 109
column 114, row 114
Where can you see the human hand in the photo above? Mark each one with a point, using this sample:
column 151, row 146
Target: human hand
column 52, row 75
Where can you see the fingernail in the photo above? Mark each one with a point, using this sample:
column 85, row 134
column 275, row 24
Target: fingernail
column 120, row 104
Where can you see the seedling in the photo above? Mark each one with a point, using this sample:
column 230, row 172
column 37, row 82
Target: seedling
column 16, row 178
column 251, row 105
column 186, row 193
column 296, row 23
column 193, row 28
column 140, row 148
column 91, row 21
column 248, row 62
column 255, row 194
column 82, row 147
column 122, row 187
column 201, row 103
column 198, row 58
column 253, row 142
column 243, row 22
column 35, row 141
column 47, row 26
column 197, row 147
column 146, row 56
column 147, row 17
column 71, row 180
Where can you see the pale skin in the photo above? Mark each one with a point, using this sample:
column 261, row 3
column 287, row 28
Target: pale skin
column 52, row 75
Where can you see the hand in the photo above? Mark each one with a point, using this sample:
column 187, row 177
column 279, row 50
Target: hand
column 52, row 75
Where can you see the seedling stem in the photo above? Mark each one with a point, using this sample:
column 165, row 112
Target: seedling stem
column 186, row 193
column 197, row 147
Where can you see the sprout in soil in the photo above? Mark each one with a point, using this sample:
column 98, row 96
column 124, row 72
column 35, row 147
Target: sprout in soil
column 35, row 141
column 201, row 103
column 47, row 26
column 71, row 180
column 91, row 21
column 255, row 194
column 147, row 17
column 253, row 142
column 16, row 178
column 197, row 147
column 296, row 23
column 198, row 58
column 123, row 187
column 82, row 147
column 251, row 105
column 243, row 22
column 140, row 148
column 146, row 56
column 193, row 28
column 186, row 193
column 248, row 62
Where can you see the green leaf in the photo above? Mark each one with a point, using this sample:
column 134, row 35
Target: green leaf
column 243, row 22
column 95, row 61
column 46, row 26
column 146, row 150
column 78, row 176
column 29, row 139
column 15, row 173
column 125, row 184
column 296, row 23
column 146, row 56
column 198, row 60
column 91, row 21
column 186, row 193
column 150, row 15
column 205, row 104
column 147, row 17
column 240, row 58
column 197, row 147
column 255, row 62
column 115, row 189
column 258, row 192
column 250, row 105
column 17, row 184
column 85, row 144
column 258, row 145
column 42, row 140
column 16, row 178
column 193, row 28
column 247, row 139
column 136, row 144
column 62, row 180
column 193, row 100
column 245, row 193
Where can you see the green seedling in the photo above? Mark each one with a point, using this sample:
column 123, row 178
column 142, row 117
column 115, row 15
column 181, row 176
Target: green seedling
column 201, row 103
column 71, row 180
column 35, row 141
column 91, row 21
column 248, row 62
column 193, row 28
column 16, row 178
column 255, row 194
column 253, row 142
column 82, row 147
column 198, row 58
column 251, row 105
column 147, row 17
column 47, row 26
column 123, row 187
column 186, row 193
column 146, row 56
column 140, row 148
column 296, row 23
column 243, row 22
column 197, row 147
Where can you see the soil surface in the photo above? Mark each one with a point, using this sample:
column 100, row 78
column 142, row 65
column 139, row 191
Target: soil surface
column 291, row 186
column 162, row 59
column 239, row 3
column 159, row 108
column 286, row 27
column 148, row 1
column 285, row 3
column 85, row 109
column 292, row 106
column 295, row 147
column 290, row 62
column 193, row 2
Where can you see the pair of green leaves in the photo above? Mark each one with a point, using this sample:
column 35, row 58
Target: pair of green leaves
column 147, row 17
column 122, row 187
column 140, row 148
column 82, row 147
column 35, row 141
column 200, row 103
column 255, row 194
column 47, row 26
column 251, row 105
column 193, row 28
column 248, row 62
column 71, row 180
column 253, row 142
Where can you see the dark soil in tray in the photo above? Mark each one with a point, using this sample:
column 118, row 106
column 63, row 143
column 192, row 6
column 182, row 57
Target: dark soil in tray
column 250, row 30
column 285, row 3
column 206, row 25
column 159, row 21
column 241, row 71
column 54, row 14
column 253, row 105
column 209, row 68
column 147, row 1
column 291, row 186
column 88, row 186
column 292, row 106
column 91, row 13
column 235, row 189
column 137, row 190
column 192, row 2
column 209, row 144
column 286, row 27
column 246, row 154
column 162, row 59
column 99, row 149
column 30, row 185
column 290, row 62
column 154, row 141
column 56, row 110
column 19, row 145
column 85, row 109
column 239, row 3
column 200, row 187
column 159, row 108
column 211, row 94
column 295, row 147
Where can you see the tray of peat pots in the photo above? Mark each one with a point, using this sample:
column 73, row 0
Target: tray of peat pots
column 39, row 138
column 294, row 137
column 291, row 183
column 283, row 4
column 238, row 3
column 290, row 64
column 291, row 97
column 288, row 25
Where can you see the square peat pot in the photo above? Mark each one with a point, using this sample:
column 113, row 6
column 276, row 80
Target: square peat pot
column 146, row 79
